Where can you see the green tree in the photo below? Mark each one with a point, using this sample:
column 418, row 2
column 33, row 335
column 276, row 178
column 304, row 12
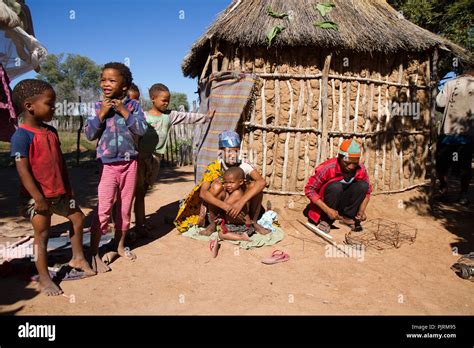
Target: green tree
column 178, row 99
column 71, row 77
column 452, row 19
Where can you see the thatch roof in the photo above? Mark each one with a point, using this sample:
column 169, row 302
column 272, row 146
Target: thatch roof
column 364, row 26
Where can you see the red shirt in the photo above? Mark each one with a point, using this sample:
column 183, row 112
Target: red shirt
column 42, row 148
column 324, row 174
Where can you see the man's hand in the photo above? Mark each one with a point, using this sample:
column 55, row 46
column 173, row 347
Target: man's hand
column 120, row 108
column 235, row 210
column 210, row 114
column 361, row 216
column 41, row 204
column 333, row 214
column 226, row 207
column 105, row 108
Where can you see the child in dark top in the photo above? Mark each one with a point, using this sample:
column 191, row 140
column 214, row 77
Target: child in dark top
column 45, row 186
column 117, row 122
column 134, row 92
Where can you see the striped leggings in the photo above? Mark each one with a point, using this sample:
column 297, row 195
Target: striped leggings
column 117, row 184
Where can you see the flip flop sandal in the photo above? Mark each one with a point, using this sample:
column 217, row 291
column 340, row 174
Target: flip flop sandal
column 72, row 274
column 214, row 247
column 224, row 227
column 277, row 257
column 347, row 223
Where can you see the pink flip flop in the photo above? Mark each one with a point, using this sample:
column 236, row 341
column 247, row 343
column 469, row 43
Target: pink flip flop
column 277, row 256
column 214, row 247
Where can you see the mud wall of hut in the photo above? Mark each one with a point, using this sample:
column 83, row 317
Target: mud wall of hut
column 307, row 104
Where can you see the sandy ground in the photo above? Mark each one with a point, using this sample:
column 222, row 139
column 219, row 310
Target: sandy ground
column 177, row 275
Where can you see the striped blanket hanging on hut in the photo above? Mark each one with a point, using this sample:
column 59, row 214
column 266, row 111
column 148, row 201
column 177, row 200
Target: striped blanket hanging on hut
column 228, row 93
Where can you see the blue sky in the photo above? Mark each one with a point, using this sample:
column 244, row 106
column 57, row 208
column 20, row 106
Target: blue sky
column 149, row 33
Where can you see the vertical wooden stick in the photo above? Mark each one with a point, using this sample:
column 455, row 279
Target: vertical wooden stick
column 308, row 124
column 251, row 136
column 376, row 165
column 264, row 135
column 427, row 120
column 341, row 110
column 320, row 110
column 237, row 60
column 324, row 101
column 384, row 145
column 333, row 122
column 215, row 59
column 394, row 164
column 275, row 135
column 400, row 156
column 348, row 105
column 287, row 141
column 296, row 145
column 225, row 59
column 356, row 111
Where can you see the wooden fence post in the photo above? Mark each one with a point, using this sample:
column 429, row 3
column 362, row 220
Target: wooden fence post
column 79, row 131
column 324, row 106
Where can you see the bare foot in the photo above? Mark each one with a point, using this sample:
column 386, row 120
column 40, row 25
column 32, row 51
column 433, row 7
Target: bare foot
column 209, row 230
column 245, row 236
column 109, row 257
column 98, row 265
column 47, row 287
column 260, row 229
column 202, row 216
column 83, row 266
column 126, row 253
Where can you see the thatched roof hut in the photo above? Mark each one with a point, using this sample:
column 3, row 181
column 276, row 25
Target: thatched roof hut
column 319, row 86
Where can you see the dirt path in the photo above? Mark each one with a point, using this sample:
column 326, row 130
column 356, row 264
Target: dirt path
column 177, row 275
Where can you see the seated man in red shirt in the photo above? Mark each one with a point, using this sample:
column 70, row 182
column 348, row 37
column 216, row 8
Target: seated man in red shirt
column 339, row 190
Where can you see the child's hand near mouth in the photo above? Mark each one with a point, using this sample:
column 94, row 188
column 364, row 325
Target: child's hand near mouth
column 104, row 110
column 120, row 108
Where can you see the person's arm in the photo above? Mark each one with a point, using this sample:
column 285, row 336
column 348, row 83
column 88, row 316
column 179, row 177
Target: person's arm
column 315, row 182
column 443, row 97
column 332, row 213
column 260, row 183
column 27, row 180
column 361, row 213
column 65, row 173
column 67, row 183
column 206, row 195
column 179, row 117
column 20, row 148
column 95, row 122
column 134, row 118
